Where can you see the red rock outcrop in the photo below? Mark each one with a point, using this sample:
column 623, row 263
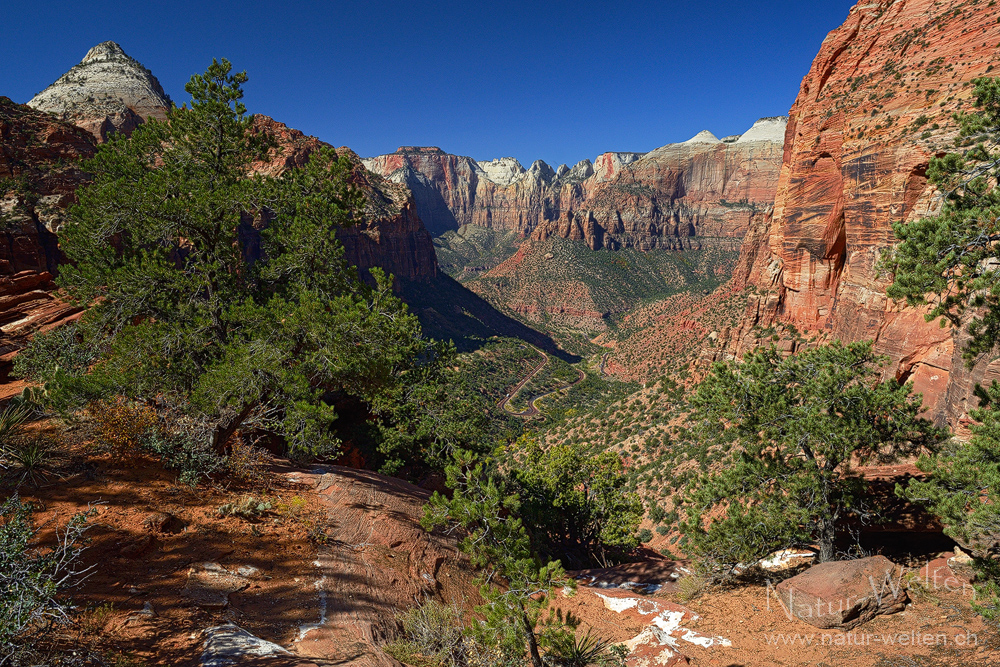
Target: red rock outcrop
column 669, row 198
column 39, row 173
column 874, row 108
column 389, row 235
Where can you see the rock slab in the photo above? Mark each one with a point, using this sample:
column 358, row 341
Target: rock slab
column 844, row 594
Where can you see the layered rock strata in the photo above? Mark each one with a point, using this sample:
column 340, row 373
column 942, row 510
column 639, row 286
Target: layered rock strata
column 39, row 174
column 669, row 198
column 872, row 111
column 106, row 93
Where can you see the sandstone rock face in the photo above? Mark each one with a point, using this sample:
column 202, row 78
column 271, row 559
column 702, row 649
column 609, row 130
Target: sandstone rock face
column 668, row 198
column 874, row 108
column 107, row 92
column 39, row 174
column 844, row 594
column 390, row 235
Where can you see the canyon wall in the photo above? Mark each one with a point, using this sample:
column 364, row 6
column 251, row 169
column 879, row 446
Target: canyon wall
column 389, row 234
column 39, row 174
column 669, row 198
column 874, row 108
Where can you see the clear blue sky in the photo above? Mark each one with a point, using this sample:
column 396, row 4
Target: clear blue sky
column 555, row 80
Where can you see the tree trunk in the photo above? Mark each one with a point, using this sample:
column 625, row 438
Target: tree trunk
column 826, row 537
column 225, row 430
column 532, row 641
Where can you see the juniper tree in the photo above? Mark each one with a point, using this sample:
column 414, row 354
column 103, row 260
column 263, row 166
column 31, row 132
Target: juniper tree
column 950, row 262
column 788, row 433
column 221, row 290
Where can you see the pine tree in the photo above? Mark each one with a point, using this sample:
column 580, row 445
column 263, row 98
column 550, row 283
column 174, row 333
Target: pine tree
column 222, row 291
column 787, row 433
column 515, row 583
column 950, row 261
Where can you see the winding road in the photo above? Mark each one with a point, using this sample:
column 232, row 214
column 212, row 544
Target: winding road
column 532, row 408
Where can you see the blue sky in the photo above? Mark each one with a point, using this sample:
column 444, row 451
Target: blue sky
column 559, row 81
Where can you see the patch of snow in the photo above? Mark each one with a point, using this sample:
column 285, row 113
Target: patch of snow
column 230, row 645
column 306, row 628
column 779, row 559
column 618, row 605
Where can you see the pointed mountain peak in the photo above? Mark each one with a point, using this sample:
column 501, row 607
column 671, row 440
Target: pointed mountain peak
column 703, row 137
column 107, row 92
column 105, row 51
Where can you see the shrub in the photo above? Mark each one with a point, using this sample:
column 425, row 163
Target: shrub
column 31, row 578
column 248, row 463
column 122, row 427
column 30, row 460
column 292, row 508
column 184, row 445
column 432, row 631
column 568, row 649
column 691, row 586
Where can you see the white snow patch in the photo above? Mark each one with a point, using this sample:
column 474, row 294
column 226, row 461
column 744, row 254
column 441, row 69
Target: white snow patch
column 618, row 605
column 693, row 637
column 306, row 628
column 779, row 559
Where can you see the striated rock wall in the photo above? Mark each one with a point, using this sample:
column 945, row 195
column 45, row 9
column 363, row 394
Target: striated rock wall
column 107, row 92
column 39, row 174
column 872, row 111
column 390, row 235
column 668, row 198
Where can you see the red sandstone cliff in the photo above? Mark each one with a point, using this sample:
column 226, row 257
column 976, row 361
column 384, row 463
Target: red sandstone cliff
column 873, row 109
column 389, row 235
column 39, row 173
column 664, row 199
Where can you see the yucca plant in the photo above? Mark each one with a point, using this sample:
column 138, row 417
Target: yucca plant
column 12, row 420
column 567, row 649
column 30, row 460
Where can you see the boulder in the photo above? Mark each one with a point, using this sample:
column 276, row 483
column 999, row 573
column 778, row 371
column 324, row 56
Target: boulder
column 232, row 645
column 209, row 585
column 844, row 594
column 163, row 522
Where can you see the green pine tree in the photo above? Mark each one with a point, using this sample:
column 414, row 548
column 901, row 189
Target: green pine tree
column 515, row 583
column 950, row 261
column 221, row 291
column 788, row 433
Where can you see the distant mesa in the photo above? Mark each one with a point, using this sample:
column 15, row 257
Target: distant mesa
column 106, row 93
